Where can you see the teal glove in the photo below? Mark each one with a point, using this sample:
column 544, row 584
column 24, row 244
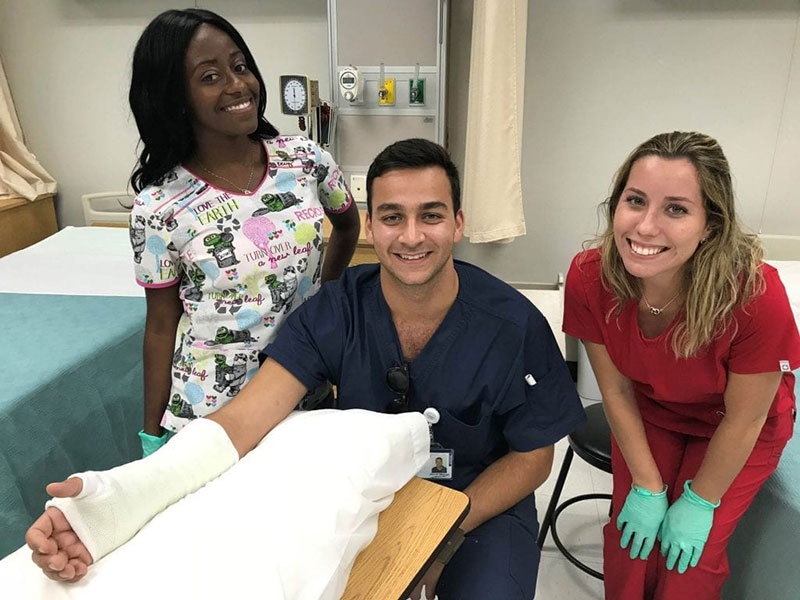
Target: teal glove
column 685, row 529
column 151, row 443
column 640, row 518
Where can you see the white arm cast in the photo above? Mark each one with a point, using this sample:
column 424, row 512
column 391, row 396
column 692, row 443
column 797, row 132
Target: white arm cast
column 113, row 505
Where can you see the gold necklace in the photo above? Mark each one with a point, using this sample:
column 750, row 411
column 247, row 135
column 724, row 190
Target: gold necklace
column 244, row 190
column 657, row 311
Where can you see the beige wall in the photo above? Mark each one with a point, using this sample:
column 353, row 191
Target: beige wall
column 389, row 31
column 68, row 64
column 400, row 34
column 604, row 75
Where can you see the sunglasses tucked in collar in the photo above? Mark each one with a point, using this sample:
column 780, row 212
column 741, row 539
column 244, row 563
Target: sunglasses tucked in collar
column 398, row 380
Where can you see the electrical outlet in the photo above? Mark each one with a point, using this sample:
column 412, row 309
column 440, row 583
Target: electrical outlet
column 358, row 187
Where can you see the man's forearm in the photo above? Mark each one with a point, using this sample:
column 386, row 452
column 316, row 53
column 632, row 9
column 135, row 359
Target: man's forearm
column 263, row 403
column 505, row 482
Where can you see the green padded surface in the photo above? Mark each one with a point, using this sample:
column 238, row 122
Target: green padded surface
column 763, row 549
column 70, row 395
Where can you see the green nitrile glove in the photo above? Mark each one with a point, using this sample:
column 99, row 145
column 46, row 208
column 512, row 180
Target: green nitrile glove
column 640, row 518
column 685, row 529
column 151, row 443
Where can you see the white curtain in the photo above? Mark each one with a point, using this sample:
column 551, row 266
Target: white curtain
column 21, row 175
column 492, row 195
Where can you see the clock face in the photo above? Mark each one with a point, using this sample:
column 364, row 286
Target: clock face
column 294, row 96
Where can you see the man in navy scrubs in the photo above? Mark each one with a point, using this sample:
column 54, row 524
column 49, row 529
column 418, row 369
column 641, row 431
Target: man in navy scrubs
column 422, row 332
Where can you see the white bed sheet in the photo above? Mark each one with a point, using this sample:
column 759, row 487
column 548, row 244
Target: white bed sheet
column 84, row 261
column 286, row 522
column 789, row 271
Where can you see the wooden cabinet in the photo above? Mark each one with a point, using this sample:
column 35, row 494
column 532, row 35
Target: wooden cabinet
column 23, row 223
column 364, row 252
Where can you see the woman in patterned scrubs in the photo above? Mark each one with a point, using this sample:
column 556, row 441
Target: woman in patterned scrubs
column 226, row 227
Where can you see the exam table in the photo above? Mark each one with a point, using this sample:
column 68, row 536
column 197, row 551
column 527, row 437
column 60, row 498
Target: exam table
column 763, row 549
column 70, row 367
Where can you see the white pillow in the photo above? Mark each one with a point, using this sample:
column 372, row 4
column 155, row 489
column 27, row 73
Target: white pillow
column 286, row 522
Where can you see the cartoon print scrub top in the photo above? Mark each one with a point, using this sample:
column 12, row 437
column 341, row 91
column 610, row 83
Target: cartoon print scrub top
column 243, row 263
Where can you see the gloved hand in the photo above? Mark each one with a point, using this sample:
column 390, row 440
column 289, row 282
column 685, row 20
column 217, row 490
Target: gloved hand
column 685, row 529
column 640, row 518
column 151, row 443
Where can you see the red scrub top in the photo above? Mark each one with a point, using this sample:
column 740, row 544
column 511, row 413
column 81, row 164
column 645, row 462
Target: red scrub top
column 686, row 394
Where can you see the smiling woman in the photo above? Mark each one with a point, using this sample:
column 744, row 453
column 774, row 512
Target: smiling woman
column 227, row 225
column 164, row 84
column 221, row 94
column 692, row 341
column 691, row 245
column 659, row 223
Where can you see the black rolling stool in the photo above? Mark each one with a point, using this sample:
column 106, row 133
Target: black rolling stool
column 592, row 444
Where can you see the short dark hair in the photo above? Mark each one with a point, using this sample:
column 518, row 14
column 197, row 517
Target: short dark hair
column 158, row 92
column 414, row 153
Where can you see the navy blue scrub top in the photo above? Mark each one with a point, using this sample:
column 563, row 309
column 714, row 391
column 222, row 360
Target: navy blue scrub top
column 472, row 370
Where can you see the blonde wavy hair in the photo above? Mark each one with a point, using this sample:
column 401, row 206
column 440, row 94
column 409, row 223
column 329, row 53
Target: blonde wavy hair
column 724, row 271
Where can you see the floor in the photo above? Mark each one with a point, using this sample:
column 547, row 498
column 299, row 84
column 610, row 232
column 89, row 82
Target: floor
column 579, row 528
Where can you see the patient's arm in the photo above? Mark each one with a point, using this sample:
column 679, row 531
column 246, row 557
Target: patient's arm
column 142, row 489
column 263, row 403
column 56, row 548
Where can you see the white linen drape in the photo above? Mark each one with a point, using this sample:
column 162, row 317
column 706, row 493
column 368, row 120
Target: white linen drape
column 21, row 175
column 492, row 197
column 285, row 523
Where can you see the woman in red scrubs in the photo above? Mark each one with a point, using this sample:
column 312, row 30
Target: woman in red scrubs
column 692, row 340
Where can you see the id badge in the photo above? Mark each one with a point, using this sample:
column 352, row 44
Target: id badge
column 439, row 465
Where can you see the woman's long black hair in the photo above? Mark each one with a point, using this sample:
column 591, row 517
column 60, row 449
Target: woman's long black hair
column 158, row 93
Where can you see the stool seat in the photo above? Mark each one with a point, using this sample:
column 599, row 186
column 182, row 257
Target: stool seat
column 593, row 442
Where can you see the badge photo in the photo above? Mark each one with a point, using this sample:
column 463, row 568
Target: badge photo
column 438, row 466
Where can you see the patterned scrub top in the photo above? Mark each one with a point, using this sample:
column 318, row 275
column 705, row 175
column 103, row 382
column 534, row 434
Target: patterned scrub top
column 243, row 263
